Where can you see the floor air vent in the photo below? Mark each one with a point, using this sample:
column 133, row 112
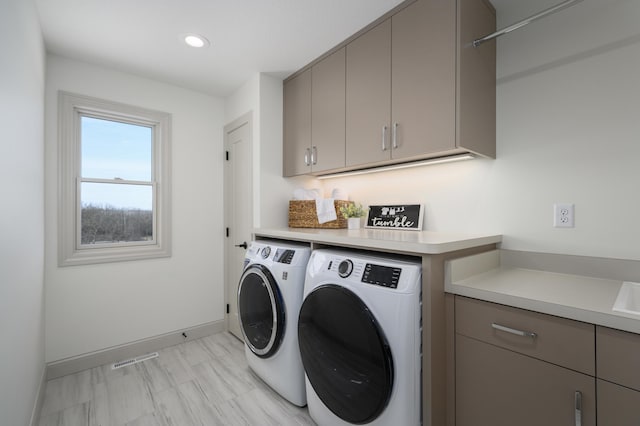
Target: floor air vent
column 132, row 361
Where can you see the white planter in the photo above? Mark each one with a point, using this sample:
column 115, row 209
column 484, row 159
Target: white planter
column 353, row 223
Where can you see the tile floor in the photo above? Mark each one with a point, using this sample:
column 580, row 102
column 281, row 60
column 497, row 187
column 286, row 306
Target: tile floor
column 203, row 382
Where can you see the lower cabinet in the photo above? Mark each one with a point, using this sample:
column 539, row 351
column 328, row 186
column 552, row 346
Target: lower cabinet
column 618, row 364
column 517, row 367
column 617, row 405
column 499, row 387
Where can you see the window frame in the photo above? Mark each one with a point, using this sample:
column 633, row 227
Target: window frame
column 71, row 107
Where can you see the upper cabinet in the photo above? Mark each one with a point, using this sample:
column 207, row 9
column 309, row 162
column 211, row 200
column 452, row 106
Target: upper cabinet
column 414, row 88
column 423, row 78
column 314, row 118
column 369, row 96
column 297, row 125
column 328, row 113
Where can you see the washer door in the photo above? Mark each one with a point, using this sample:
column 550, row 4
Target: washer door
column 345, row 354
column 261, row 311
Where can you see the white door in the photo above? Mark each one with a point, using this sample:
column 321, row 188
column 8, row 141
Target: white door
column 238, row 210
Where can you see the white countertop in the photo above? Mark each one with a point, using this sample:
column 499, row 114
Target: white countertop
column 417, row 242
column 576, row 297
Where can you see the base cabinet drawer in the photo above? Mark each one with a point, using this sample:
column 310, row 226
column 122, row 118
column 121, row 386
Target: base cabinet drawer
column 556, row 340
column 499, row 387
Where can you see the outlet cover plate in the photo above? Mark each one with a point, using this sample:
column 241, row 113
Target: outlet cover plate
column 563, row 215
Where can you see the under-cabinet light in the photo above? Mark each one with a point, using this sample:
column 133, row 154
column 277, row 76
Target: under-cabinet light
column 400, row 166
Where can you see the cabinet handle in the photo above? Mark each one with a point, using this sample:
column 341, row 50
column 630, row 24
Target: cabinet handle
column 306, row 157
column 314, row 156
column 394, row 136
column 384, row 138
column 578, row 408
column 514, row 331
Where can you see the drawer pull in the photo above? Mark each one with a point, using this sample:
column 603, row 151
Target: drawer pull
column 384, row 138
column 306, row 157
column 578, row 408
column 395, row 136
column 514, row 331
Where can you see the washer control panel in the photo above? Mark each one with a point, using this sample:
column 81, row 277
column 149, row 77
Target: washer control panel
column 284, row 256
column 384, row 276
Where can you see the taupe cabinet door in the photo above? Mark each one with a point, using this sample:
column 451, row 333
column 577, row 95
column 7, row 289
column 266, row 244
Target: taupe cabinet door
column 369, row 96
column 498, row 387
column 423, row 79
column 618, row 356
column 328, row 112
column 297, row 125
column 617, row 405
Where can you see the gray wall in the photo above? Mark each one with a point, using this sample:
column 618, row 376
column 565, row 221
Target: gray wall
column 22, row 67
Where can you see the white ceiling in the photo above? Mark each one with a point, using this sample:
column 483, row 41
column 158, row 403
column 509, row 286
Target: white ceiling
column 247, row 36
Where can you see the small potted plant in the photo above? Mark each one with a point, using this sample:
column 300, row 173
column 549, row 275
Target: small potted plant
column 353, row 213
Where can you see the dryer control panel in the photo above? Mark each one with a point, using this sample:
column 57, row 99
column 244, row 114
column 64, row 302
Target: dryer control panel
column 385, row 276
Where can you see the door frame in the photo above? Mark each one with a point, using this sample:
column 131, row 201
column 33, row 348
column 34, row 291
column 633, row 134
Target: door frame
column 245, row 119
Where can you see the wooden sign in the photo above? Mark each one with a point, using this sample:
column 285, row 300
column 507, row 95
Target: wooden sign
column 396, row 216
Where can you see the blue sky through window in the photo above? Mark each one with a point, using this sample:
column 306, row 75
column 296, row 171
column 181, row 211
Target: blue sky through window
column 115, row 150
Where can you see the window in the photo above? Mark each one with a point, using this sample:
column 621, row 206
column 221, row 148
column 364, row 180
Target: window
column 114, row 189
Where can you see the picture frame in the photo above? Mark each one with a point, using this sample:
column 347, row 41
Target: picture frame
column 406, row 217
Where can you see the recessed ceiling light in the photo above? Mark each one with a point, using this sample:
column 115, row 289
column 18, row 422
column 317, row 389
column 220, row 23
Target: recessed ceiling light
column 195, row 40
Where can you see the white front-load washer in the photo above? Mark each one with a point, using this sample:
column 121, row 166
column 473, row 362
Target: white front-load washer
column 269, row 299
column 359, row 337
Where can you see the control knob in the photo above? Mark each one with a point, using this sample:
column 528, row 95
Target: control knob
column 345, row 268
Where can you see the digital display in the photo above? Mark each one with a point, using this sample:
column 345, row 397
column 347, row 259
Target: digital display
column 384, row 276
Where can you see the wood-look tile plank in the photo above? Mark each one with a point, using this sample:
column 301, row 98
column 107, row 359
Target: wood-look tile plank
column 151, row 419
column 220, row 383
column 254, row 408
column 188, row 405
column 155, row 375
column 204, row 382
column 129, row 399
column 175, row 364
column 194, row 352
column 100, row 405
column 77, row 415
column 67, row 391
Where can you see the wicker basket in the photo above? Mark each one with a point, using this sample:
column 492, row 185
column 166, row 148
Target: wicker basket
column 302, row 214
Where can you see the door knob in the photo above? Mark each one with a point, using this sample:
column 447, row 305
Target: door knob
column 243, row 245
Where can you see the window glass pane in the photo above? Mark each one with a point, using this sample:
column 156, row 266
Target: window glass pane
column 113, row 213
column 111, row 149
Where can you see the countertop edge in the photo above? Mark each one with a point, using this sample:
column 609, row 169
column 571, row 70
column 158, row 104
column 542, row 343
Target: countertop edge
column 611, row 319
column 368, row 239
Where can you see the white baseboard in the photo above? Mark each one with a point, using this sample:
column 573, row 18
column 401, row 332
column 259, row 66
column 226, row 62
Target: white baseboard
column 35, row 414
column 129, row 350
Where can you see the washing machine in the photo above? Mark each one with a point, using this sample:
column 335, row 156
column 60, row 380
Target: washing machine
column 269, row 298
column 360, row 340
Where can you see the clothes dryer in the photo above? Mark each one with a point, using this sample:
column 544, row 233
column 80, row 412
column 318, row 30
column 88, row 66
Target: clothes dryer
column 269, row 299
column 359, row 337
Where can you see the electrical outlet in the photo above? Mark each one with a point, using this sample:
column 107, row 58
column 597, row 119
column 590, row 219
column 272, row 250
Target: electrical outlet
column 563, row 215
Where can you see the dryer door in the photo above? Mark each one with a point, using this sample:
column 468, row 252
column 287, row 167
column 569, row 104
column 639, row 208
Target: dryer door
column 261, row 311
column 345, row 354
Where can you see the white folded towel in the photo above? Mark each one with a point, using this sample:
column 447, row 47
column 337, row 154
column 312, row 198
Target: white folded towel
column 325, row 209
column 306, row 194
